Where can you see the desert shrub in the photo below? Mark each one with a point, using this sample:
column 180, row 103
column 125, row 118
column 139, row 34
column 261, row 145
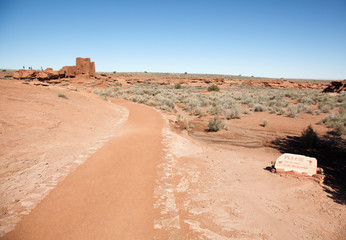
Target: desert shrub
column 177, row 86
column 163, row 102
column 265, row 123
column 198, row 112
column 339, row 127
column 324, row 108
column 259, row 108
column 310, row 111
column 62, row 95
column 305, row 100
column 336, row 121
column 301, row 107
column 309, row 137
column 272, row 110
column 228, row 102
column 234, row 113
column 151, row 103
column 139, row 98
column 191, row 104
column 216, row 110
column 99, row 92
column 292, row 111
column 215, row 124
column 214, row 88
column 189, row 125
column 281, row 111
column 110, row 92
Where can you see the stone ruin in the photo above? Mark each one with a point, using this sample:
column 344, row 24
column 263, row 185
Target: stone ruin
column 83, row 69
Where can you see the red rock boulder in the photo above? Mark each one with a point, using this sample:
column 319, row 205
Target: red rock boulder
column 336, row 86
column 24, row 74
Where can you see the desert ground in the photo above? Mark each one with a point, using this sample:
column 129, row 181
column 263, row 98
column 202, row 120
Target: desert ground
column 169, row 156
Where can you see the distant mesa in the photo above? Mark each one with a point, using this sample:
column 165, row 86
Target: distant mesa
column 84, row 69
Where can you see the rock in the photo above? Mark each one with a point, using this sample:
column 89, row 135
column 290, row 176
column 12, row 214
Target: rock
column 336, row 86
column 72, row 88
column 5, row 75
column 298, row 163
column 54, row 81
column 35, row 82
column 24, row 74
column 28, row 74
column 51, row 73
column 16, row 75
column 42, row 75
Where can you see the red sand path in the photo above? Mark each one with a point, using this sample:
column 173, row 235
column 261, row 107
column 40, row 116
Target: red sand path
column 110, row 196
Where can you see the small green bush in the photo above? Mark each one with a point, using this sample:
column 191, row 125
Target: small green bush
column 214, row 88
column 177, row 86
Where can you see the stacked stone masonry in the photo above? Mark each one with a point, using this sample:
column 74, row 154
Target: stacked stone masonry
column 84, row 69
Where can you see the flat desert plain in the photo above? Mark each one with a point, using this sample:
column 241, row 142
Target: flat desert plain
column 139, row 156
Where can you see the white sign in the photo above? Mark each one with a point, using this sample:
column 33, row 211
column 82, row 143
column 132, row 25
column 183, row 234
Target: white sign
column 297, row 163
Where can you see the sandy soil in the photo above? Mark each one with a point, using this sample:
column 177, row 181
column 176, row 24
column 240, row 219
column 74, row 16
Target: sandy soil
column 111, row 195
column 156, row 181
column 222, row 191
column 43, row 138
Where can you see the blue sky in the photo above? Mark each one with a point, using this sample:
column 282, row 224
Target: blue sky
column 291, row 39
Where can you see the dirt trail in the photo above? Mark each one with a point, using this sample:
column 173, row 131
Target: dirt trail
column 110, row 196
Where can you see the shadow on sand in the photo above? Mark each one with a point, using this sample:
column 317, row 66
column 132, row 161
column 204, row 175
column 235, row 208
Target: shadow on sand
column 330, row 152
